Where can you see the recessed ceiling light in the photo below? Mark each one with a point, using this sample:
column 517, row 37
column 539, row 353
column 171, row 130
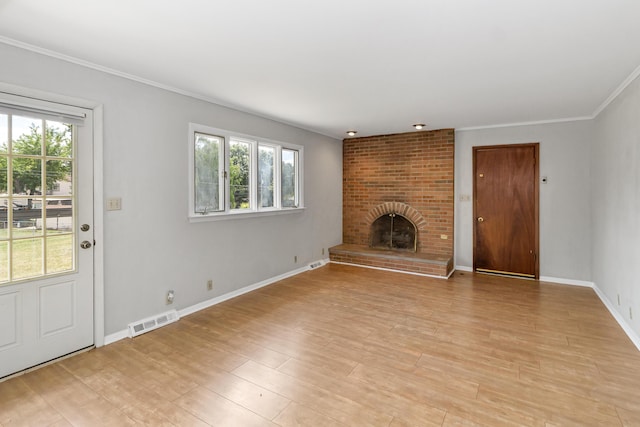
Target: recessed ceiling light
column 419, row 126
column 351, row 132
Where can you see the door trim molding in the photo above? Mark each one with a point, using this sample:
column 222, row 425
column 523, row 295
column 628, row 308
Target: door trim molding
column 98, row 225
column 98, row 191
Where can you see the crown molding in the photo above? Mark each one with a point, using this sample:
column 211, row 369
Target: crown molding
column 634, row 75
column 153, row 83
column 532, row 123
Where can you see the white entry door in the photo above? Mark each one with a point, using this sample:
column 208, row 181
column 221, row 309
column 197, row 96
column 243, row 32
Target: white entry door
column 46, row 232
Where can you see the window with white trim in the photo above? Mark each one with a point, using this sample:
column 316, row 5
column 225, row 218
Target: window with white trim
column 235, row 174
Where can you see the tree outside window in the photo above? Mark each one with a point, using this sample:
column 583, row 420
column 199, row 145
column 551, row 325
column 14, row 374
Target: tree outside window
column 266, row 167
column 239, row 170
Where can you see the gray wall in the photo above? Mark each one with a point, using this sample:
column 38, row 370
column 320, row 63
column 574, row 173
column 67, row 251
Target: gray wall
column 565, row 201
column 149, row 246
column 616, row 203
column 589, row 210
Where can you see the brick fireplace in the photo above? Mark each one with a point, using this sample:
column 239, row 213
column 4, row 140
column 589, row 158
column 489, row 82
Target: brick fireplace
column 394, row 185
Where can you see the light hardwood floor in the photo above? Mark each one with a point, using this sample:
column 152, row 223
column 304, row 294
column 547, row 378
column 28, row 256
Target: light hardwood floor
column 351, row 346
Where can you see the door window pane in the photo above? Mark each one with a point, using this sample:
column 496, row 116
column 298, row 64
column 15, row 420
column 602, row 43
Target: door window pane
column 4, row 178
column 59, row 178
column 58, row 139
column 58, row 216
column 27, row 176
column 266, row 167
column 289, row 179
column 239, row 174
column 4, row 218
column 59, row 253
column 36, row 198
column 27, row 217
column 4, row 261
column 26, row 136
column 26, row 258
column 4, row 133
column 208, row 185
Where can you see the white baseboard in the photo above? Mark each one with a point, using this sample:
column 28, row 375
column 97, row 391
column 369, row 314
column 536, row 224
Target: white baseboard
column 463, row 268
column 222, row 298
column 117, row 336
column 563, row 281
column 633, row 336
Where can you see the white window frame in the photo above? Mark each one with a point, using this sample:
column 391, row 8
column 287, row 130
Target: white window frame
column 221, row 168
column 254, row 210
column 297, row 172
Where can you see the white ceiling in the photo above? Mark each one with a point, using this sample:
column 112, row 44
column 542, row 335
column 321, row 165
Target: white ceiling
column 374, row 66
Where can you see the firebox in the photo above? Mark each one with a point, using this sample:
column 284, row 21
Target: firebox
column 393, row 231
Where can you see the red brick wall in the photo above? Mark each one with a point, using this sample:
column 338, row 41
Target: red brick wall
column 412, row 168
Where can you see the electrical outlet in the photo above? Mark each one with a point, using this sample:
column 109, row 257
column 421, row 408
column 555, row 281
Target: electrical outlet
column 209, row 284
column 630, row 314
column 114, row 203
column 170, row 296
column 322, row 251
column 295, row 258
column 618, row 299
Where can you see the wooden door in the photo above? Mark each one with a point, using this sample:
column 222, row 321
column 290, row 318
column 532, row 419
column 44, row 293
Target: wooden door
column 506, row 210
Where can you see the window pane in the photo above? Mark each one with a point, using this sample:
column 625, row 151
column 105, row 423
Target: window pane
column 239, row 167
column 208, row 152
column 26, row 258
column 289, row 178
column 58, row 139
column 27, row 135
column 266, row 167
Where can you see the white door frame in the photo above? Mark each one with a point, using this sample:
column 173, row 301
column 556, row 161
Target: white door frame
column 98, row 192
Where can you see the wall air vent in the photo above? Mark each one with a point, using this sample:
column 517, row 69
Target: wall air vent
column 151, row 323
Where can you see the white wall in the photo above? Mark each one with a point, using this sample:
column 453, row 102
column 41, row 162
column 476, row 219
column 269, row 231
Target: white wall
column 565, row 220
column 616, row 203
column 149, row 246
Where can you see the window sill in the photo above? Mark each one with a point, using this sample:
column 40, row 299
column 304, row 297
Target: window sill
column 223, row 216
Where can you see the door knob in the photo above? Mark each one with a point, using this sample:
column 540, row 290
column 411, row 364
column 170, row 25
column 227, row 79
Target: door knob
column 480, row 219
column 85, row 245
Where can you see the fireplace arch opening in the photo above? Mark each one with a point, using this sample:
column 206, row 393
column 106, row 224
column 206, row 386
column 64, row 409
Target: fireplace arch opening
column 393, row 231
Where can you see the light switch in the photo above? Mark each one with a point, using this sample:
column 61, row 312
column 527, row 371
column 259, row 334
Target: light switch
column 114, row 203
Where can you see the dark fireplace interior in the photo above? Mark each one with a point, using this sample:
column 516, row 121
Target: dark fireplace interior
column 393, row 231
